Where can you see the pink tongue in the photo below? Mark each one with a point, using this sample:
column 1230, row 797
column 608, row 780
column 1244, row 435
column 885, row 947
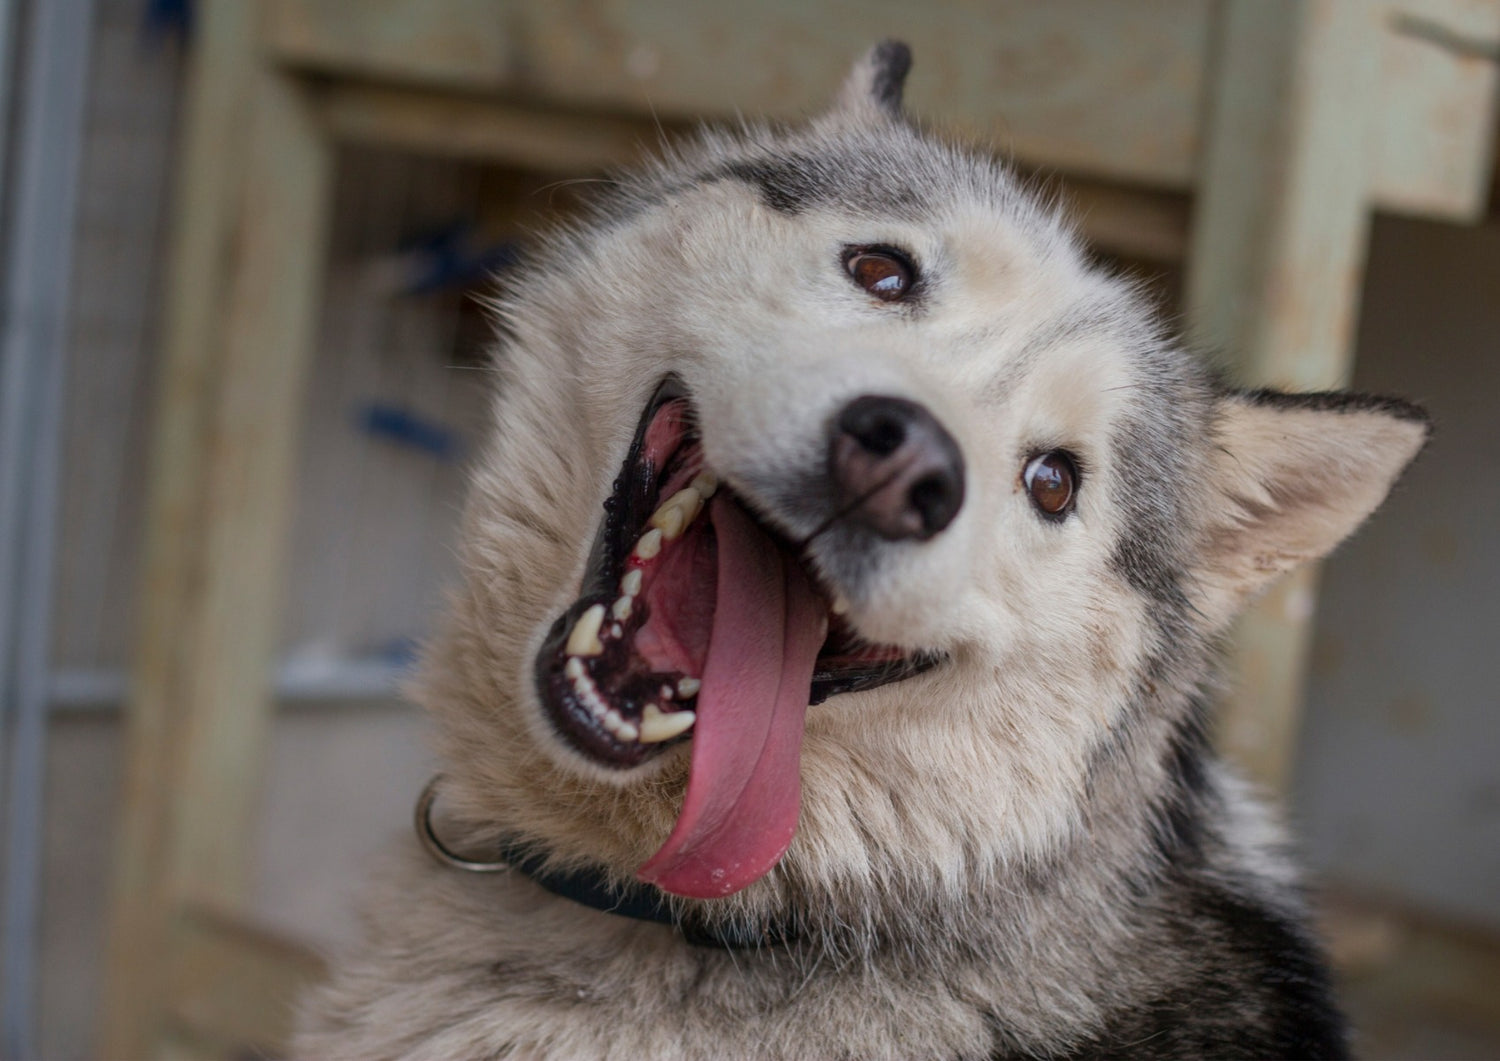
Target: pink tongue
column 745, row 789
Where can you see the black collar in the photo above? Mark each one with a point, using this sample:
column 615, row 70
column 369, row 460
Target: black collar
column 640, row 901
column 643, row 902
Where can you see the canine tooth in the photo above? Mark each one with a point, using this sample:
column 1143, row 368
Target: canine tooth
column 688, row 687
column 706, row 483
column 574, row 668
column 669, row 521
column 584, row 639
column 840, row 605
column 649, row 545
column 630, row 585
column 657, row 725
column 691, row 500
column 621, row 610
column 677, row 512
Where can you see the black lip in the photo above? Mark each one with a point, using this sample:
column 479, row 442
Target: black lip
column 626, row 510
column 630, row 502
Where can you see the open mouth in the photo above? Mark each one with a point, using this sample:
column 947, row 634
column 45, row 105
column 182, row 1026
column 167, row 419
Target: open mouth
column 698, row 620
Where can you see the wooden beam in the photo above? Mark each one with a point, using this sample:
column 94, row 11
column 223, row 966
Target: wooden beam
column 1136, row 223
column 235, row 985
column 210, row 163
column 465, row 126
column 1274, row 275
column 251, row 445
column 1112, row 89
column 1440, row 93
column 223, row 456
column 1108, row 89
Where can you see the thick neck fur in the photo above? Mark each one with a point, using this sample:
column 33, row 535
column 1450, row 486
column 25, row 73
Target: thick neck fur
column 1049, row 878
column 978, row 946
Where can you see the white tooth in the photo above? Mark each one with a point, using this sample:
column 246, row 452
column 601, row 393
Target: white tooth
column 658, row 726
column 706, row 483
column 679, row 510
column 630, row 585
column 840, row 605
column 621, row 610
column 574, row 668
column 612, row 720
column 691, row 501
column 627, row 731
column 688, row 687
column 584, row 640
column 649, row 545
column 669, row 521
column 666, row 692
column 616, row 631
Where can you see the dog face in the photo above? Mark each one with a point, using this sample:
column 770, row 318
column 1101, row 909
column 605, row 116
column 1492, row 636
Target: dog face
column 844, row 417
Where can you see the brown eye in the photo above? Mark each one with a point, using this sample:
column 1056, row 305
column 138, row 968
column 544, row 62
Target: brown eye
column 883, row 273
column 1052, row 481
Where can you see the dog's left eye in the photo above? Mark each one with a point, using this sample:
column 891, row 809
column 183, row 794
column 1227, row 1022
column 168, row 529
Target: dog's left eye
column 882, row 271
column 1052, row 481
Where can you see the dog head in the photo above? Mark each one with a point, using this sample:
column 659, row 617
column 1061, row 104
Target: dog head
column 843, row 416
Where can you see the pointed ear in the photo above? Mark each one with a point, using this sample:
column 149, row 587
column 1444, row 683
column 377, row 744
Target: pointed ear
column 1291, row 476
column 873, row 88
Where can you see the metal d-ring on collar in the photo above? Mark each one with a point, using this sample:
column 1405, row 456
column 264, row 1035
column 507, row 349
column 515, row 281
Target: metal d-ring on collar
column 435, row 846
column 641, row 902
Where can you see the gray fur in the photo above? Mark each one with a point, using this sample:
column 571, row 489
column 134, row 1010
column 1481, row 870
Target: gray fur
column 1026, row 851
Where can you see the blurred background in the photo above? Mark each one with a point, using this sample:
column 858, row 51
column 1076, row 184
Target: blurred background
column 244, row 362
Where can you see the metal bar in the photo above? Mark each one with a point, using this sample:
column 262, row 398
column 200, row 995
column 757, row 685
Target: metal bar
column 39, row 255
column 14, row 374
column 12, row 407
column 104, row 689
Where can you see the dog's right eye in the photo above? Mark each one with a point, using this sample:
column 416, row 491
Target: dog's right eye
column 882, row 271
column 1052, row 481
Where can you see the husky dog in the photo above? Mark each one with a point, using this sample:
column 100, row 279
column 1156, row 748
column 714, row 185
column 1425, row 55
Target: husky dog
column 829, row 670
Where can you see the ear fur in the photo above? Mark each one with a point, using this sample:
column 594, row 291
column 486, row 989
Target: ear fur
column 1291, row 476
column 874, row 86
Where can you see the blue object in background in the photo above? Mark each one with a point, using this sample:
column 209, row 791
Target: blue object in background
column 165, row 18
column 399, row 652
column 452, row 259
column 392, row 423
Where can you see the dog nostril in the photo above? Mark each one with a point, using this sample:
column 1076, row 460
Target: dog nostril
column 874, row 427
column 883, row 437
column 895, row 468
column 936, row 499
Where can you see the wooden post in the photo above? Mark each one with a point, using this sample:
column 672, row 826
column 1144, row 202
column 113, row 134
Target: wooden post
column 1274, row 275
column 255, row 171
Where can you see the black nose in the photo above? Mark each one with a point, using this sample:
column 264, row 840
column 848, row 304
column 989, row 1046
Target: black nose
column 895, row 467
